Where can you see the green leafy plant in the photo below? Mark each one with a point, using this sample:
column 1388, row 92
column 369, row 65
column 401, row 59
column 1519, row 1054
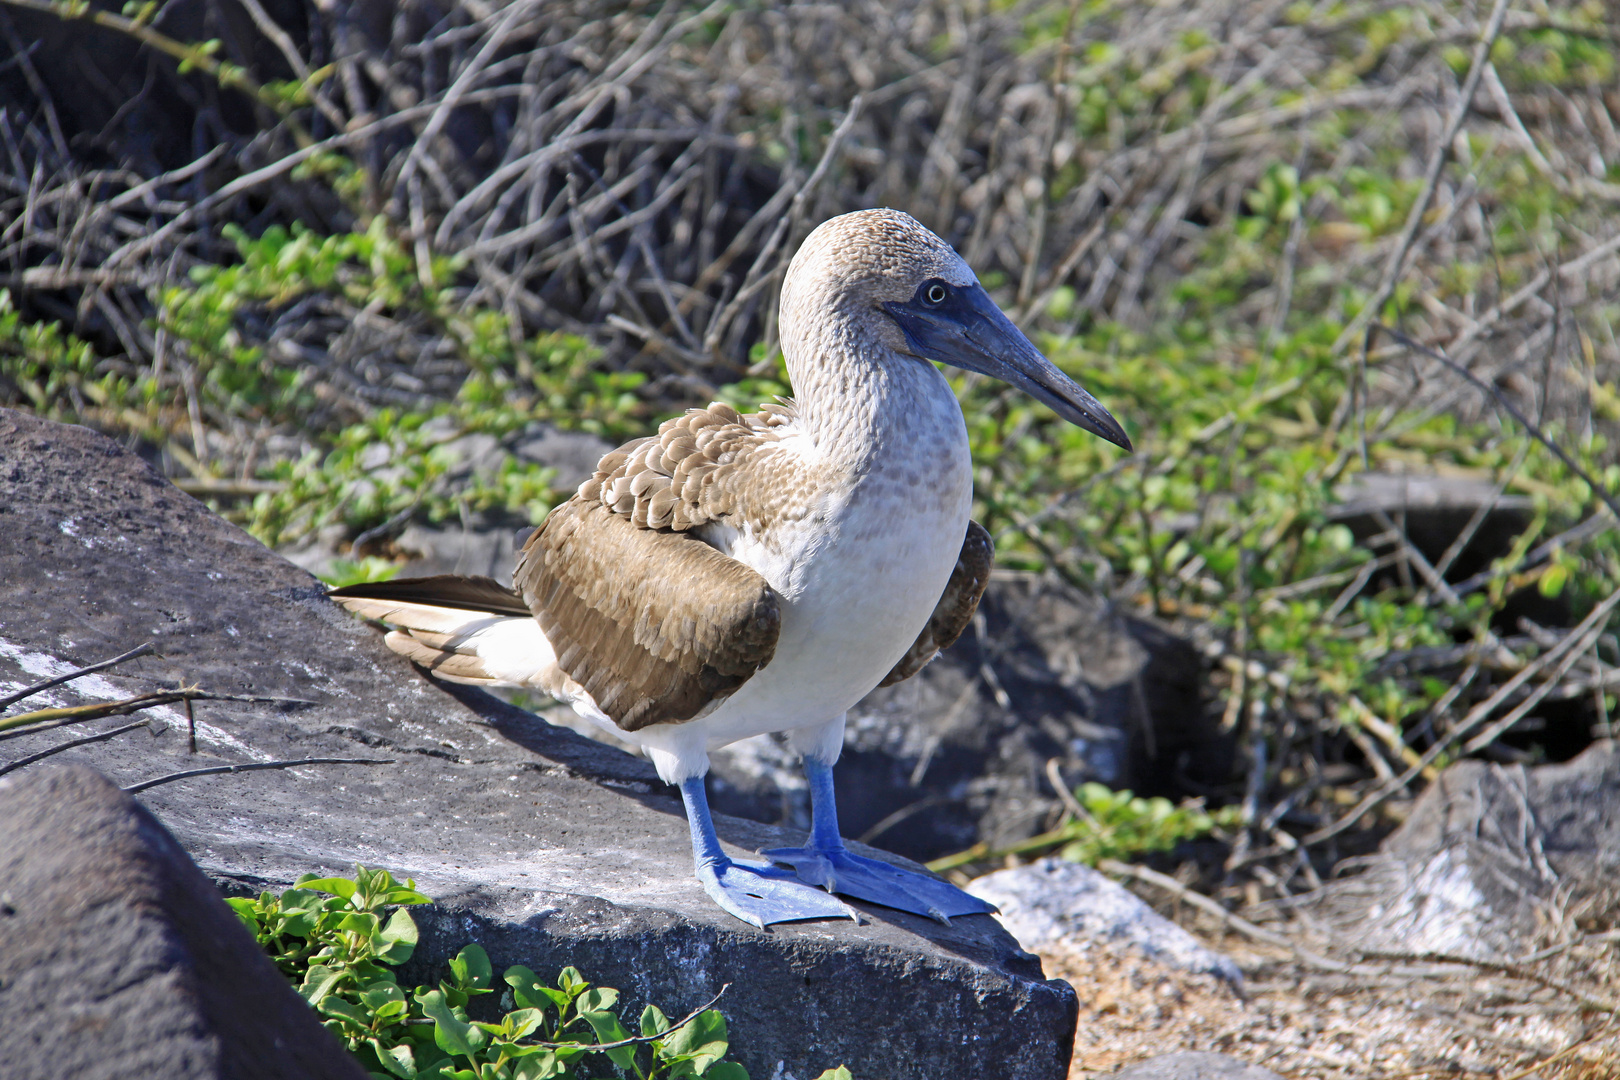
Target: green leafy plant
column 343, row 572
column 396, row 459
column 337, row 940
column 1118, row 824
column 46, row 366
column 1106, row 824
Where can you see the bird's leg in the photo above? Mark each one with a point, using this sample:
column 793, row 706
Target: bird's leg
column 826, row 862
column 756, row 893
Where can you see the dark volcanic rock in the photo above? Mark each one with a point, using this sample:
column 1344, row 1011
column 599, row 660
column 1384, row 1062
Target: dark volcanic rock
column 1434, row 510
column 958, row 753
column 118, row 958
column 1490, row 854
column 543, row 846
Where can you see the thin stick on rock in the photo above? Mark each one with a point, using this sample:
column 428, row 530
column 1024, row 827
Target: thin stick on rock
column 30, row 723
column 1211, row 906
column 29, row 691
column 100, row 736
column 257, row 766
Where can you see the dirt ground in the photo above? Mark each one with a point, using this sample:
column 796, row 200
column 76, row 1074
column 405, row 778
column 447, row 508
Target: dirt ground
column 1397, row 1020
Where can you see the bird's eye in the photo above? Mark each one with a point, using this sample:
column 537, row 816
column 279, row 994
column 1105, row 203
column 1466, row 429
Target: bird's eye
column 935, row 294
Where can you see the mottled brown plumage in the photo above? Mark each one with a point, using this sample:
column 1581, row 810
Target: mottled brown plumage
column 678, row 642
column 696, row 471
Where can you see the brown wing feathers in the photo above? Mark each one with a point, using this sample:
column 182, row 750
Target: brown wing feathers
column 956, row 606
column 654, row 625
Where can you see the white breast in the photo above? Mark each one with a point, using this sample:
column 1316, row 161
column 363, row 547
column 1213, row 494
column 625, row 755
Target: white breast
column 859, row 574
column 859, row 581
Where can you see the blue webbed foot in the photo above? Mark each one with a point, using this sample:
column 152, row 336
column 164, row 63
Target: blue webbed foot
column 824, row 861
column 838, row 870
column 757, row 893
column 762, row 894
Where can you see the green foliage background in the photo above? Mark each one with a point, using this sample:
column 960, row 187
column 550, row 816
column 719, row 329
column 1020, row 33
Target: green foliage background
column 1248, row 398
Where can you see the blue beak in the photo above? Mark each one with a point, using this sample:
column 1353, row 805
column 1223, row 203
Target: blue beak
column 964, row 328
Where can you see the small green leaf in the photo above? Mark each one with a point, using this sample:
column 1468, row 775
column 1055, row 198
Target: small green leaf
column 454, row 996
column 470, row 968
column 337, row 886
column 337, row 1007
column 598, row 999
column 396, row 941
column 608, row 1030
column 404, row 894
column 840, row 1073
column 452, row 1034
column 521, row 1023
column 545, row 1065
column 399, row 1060
column 298, row 923
column 389, row 1009
column 653, row 1021
column 528, row 991
column 360, row 922
column 319, row 981
column 730, row 1070
column 570, row 982
column 705, row 1030
column 382, row 992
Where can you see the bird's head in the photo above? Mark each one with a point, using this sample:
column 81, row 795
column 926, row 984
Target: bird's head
column 920, row 299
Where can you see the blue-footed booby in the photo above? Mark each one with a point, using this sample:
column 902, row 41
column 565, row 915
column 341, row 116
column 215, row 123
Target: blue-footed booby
column 741, row 574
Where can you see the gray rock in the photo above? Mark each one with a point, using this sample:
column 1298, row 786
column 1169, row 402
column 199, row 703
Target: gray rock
column 573, row 454
column 1489, row 855
column 543, row 846
column 1418, row 493
column 118, row 958
column 1194, row 1065
column 477, row 453
column 1053, row 900
column 958, row 753
column 454, row 550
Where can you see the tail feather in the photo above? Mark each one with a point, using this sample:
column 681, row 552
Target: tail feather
column 452, row 638
column 468, row 592
column 416, row 616
column 446, row 664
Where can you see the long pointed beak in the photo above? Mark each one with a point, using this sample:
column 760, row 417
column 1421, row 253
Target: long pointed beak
column 969, row 331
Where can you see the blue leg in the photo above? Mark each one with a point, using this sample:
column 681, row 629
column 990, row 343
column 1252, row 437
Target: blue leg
column 756, row 893
column 825, row 862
